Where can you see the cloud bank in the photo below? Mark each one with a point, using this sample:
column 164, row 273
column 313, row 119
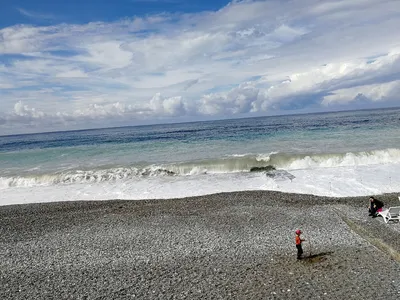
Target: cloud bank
column 248, row 58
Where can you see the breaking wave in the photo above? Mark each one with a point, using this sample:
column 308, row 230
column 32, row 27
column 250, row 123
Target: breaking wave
column 231, row 164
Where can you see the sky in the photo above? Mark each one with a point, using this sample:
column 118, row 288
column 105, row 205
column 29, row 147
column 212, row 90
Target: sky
column 97, row 63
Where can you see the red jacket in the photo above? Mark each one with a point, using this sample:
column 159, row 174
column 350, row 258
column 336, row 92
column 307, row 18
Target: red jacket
column 298, row 240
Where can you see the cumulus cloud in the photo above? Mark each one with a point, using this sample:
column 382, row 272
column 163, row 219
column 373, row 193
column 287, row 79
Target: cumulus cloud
column 373, row 93
column 22, row 110
column 249, row 57
column 158, row 108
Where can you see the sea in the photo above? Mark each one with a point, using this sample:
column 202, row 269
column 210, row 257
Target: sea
column 348, row 153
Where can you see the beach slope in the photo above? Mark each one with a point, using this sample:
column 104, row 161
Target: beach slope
column 221, row 246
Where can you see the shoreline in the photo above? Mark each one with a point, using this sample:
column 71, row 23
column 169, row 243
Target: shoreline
column 283, row 196
column 223, row 246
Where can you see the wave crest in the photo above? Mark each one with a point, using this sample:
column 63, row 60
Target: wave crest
column 80, row 176
column 232, row 164
column 332, row 160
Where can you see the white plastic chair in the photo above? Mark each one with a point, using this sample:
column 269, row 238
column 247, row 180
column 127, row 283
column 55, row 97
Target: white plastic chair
column 393, row 213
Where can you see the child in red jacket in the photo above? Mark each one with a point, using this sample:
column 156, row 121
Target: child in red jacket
column 299, row 240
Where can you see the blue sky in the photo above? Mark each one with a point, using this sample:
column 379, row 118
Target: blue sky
column 84, row 64
column 48, row 12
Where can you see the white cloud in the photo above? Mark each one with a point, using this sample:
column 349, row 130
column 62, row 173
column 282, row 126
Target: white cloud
column 19, row 39
column 373, row 92
column 109, row 55
column 167, row 106
column 339, row 6
column 22, row 110
column 250, row 57
column 72, row 74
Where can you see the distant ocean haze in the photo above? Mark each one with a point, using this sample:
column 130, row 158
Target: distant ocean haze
column 335, row 154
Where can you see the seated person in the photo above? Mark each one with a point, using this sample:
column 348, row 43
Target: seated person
column 375, row 206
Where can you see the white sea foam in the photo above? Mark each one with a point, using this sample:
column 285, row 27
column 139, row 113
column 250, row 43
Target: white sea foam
column 338, row 182
column 386, row 156
column 229, row 165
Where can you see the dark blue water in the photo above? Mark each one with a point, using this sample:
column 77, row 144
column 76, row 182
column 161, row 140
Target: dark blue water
column 245, row 130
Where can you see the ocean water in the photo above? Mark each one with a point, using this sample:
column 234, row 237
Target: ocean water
column 351, row 153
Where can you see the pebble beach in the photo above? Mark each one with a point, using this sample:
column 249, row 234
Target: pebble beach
column 221, row 246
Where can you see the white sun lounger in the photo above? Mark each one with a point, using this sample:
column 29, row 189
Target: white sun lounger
column 393, row 213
